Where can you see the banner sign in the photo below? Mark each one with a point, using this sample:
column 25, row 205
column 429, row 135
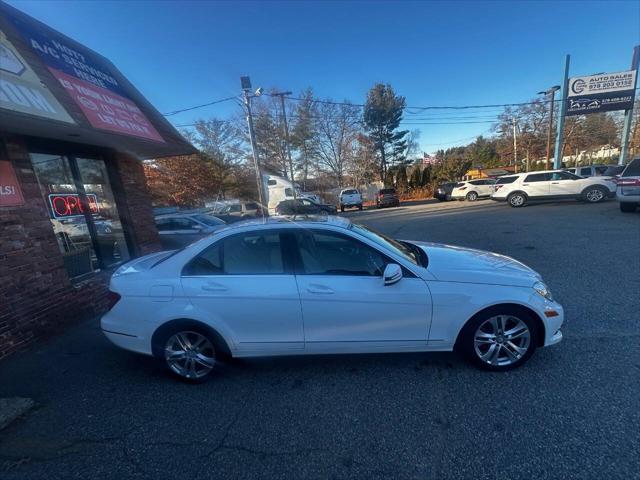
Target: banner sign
column 89, row 81
column 10, row 192
column 601, row 93
column 20, row 88
column 65, row 205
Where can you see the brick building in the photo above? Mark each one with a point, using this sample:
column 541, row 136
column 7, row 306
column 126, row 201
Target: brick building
column 73, row 199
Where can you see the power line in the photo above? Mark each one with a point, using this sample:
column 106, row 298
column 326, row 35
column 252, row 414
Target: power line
column 199, row 106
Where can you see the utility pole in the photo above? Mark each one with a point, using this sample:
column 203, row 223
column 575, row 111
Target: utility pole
column 247, row 95
column 515, row 145
column 286, row 135
column 552, row 91
column 628, row 114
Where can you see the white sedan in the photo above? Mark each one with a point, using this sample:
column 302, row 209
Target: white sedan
column 326, row 285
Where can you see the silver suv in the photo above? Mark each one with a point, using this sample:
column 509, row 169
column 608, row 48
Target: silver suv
column 628, row 187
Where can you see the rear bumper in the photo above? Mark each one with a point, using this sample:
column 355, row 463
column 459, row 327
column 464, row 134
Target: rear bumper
column 121, row 336
column 634, row 198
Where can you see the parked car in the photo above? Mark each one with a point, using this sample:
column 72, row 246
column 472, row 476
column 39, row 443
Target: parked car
column 613, row 172
column 350, row 197
column 472, row 190
column 443, row 192
column 304, row 206
column 628, row 187
column 244, row 291
column 387, row 197
column 522, row 188
column 588, row 170
column 179, row 229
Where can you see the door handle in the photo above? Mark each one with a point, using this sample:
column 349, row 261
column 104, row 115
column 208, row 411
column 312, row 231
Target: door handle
column 214, row 287
column 319, row 289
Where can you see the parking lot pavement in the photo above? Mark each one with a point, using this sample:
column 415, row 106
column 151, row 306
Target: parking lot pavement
column 572, row 412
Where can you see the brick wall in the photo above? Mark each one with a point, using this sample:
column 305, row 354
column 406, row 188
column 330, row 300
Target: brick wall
column 37, row 299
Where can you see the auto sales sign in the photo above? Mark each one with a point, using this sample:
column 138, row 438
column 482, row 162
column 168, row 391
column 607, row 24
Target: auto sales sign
column 601, row 93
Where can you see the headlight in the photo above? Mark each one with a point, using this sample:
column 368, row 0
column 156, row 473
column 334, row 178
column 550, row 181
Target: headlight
column 543, row 290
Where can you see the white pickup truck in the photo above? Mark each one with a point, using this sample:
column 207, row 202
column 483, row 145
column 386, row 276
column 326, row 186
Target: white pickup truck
column 350, row 197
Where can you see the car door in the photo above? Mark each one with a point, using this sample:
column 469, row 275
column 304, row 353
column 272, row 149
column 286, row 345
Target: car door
column 245, row 282
column 537, row 185
column 345, row 302
column 564, row 184
column 487, row 187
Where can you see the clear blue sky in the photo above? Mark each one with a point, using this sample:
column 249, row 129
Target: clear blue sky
column 185, row 53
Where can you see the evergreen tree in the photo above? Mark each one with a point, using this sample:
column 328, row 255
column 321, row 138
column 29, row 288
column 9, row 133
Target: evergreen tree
column 382, row 116
column 426, row 176
column 416, row 177
column 401, row 179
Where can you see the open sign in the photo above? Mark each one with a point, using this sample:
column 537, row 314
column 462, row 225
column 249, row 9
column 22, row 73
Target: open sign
column 64, row 205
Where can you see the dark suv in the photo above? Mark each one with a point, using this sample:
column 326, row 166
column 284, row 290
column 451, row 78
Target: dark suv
column 387, row 197
column 443, row 192
column 304, row 206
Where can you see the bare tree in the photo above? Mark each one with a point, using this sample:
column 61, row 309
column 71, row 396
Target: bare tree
column 337, row 126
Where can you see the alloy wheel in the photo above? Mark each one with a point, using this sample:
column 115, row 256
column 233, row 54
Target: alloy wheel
column 502, row 340
column 595, row 195
column 190, row 354
column 517, row 200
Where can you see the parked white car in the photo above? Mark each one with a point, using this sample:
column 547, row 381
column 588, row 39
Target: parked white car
column 350, row 197
column 472, row 190
column 522, row 188
column 245, row 290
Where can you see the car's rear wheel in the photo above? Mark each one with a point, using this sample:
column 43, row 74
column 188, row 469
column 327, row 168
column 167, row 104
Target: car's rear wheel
column 500, row 339
column 628, row 207
column 360, row 207
column 594, row 194
column 517, row 199
column 342, row 208
column 190, row 354
column 472, row 196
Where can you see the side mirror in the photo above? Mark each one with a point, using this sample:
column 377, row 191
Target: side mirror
column 392, row 274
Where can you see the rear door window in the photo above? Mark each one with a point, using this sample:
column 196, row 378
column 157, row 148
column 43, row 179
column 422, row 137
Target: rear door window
column 506, row 180
column 585, row 172
column 537, row 177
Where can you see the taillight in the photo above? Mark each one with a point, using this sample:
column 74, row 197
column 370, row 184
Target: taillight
column 628, row 182
column 112, row 299
column 497, row 187
column 462, row 188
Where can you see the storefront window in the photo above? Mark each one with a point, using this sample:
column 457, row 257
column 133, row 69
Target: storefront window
column 111, row 242
column 86, row 223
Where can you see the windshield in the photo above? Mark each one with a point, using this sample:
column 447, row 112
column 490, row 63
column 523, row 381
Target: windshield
column 395, row 246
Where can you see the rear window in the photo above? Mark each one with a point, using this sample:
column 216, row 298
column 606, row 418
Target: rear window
column 386, row 191
column 633, row 169
column 505, row 180
column 614, row 170
column 601, row 170
column 350, row 192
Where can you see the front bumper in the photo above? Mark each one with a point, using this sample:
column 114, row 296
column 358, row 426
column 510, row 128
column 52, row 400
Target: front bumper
column 552, row 324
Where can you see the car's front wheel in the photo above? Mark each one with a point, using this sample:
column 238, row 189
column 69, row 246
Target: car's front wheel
column 517, row 199
column 190, row 354
column 500, row 339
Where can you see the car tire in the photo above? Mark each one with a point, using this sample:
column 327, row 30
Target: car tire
column 360, row 207
column 472, row 196
column 200, row 353
column 486, row 342
column 517, row 199
column 447, row 197
column 628, row 207
column 342, row 208
column 594, row 194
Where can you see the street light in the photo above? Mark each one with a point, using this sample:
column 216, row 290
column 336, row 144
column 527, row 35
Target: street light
column 552, row 91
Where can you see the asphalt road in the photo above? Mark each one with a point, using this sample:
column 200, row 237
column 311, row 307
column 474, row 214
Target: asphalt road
column 572, row 412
